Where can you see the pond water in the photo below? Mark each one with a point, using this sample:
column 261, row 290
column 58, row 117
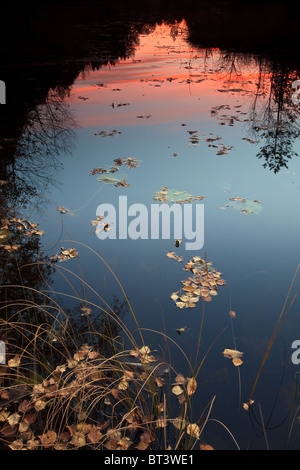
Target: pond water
column 169, row 123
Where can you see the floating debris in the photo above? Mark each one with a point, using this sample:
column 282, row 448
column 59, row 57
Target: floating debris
column 181, row 330
column 104, row 133
column 108, row 180
column 203, row 284
column 251, row 141
column 122, row 184
column 245, row 206
column 167, row 195
column 65, row 255
column 129, row 162
column 234, row 355
column 221, row 148
column 171, row 254
column 62, row 210
column 22, row 225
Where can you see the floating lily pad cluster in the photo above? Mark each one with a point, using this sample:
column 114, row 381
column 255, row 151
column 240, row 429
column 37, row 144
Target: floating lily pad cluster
column 167, row 195
column 245, row 206
column 65, row 255
column 203, row 284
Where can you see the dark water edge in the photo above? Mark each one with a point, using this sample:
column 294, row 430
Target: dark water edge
column 66, row 35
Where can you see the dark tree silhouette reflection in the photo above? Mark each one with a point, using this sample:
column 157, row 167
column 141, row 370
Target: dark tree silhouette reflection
column 278, row 124
column 32, row 163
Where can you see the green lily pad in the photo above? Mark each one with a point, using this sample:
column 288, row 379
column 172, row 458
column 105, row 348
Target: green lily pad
column 247, row 207
column 172, row 195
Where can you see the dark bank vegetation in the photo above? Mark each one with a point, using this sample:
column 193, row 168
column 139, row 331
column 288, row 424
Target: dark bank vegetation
column 75, row 380
column 80, row 378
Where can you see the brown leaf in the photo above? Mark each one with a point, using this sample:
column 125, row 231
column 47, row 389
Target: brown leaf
column 78, row 439
column 15, row 361
column 9, row 431
column 180, row 423
column 180, row 379
column 191, row 386
column 48, row 439
column 30, row 418
column 16, row 445
column 206, row 447
column 161, row 422
column 124, row 443
column 25, row 406
column 177, row 390
column 33, row 444
column 237, row 362
column 94, row 435
column 232, row 314
column 193, row 430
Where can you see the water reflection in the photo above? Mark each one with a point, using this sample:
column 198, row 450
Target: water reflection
column 31, row 163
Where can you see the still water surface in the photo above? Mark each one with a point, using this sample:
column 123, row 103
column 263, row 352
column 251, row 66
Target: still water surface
column 195, row 121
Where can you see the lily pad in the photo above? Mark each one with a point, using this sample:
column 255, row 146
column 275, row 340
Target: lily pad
column 167, row 195
column 110, row 180
column 246, row 206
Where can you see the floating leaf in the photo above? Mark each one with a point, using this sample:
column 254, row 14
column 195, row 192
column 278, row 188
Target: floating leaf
column 11, row 248
column 172, row 255
column 15, row 361
column 181, row 330
column 94, row 435
column 193, row 430
column 246, row 406
column 234, row 355
column 167, row 195
column 246, row 206
column 180, row 423
column 161, row 422
column 191, row 386
column 48, row 439
column 177, row 390
column 78, row 439
column 180, row 379
column 107, row 180
column 206, row 447
column 16, row 445
column 14, row 419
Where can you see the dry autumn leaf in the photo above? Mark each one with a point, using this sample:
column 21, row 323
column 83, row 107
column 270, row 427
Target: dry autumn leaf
column 14, row 419
column 161, row 422
column 191, row 386
column 78, row 439
column 180, row 379
column 16, row 445
column 11, row 248
column 232, row 314
column 94, row 435
column 15, row 361
column 234, row 355
column 206, row 447
column 48, row 439
column 180, row 423
column 193, row 430
column 177, row 390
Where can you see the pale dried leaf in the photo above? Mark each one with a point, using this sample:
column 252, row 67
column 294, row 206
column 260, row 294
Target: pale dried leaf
column 191, row 386
column 193, row 430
